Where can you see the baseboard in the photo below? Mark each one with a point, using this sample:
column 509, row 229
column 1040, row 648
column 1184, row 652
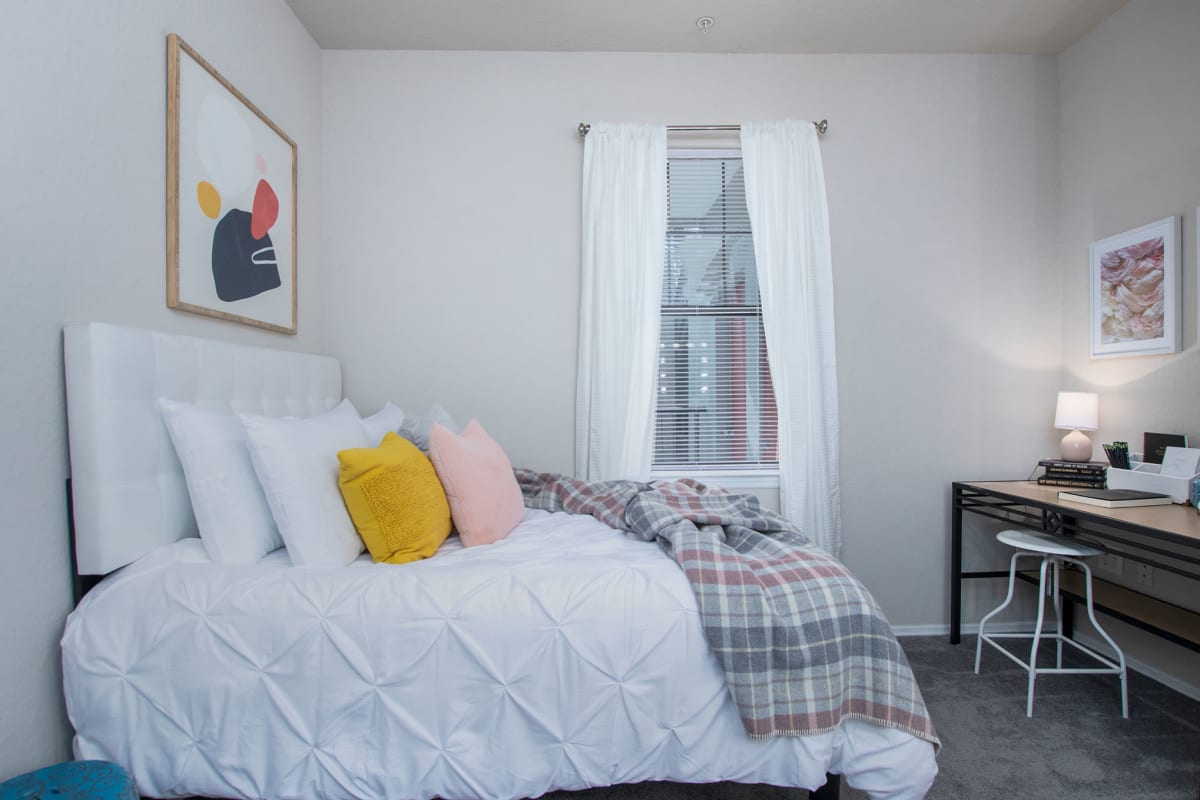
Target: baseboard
column 1138, row 666
column 1142, row 668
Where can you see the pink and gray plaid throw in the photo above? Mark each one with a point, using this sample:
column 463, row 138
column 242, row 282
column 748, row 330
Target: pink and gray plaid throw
column 802, row 642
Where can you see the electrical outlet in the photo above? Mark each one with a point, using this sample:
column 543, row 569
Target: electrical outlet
column 1145, row 575
column 1112, row 562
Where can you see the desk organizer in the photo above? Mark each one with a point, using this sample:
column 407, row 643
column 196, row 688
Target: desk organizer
column 1144, row 477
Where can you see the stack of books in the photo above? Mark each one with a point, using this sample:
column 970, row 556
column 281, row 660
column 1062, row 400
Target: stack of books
column 1079, row 474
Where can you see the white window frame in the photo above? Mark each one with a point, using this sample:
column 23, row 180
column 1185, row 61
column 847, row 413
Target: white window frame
column 728, row 477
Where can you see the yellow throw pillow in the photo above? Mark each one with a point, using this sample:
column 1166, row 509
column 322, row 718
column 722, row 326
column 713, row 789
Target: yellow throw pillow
column 395, row 499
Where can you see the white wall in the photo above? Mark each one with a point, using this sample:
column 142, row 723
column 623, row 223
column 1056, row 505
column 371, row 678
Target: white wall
column 451, row 211
column 82, row 142
column 1129, row 153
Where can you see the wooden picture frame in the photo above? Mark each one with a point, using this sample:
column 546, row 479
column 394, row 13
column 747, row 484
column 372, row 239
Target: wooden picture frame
column 1136, row 299
column 231, row 200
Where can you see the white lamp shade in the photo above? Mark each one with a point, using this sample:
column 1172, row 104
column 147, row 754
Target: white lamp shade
column 1077, row 411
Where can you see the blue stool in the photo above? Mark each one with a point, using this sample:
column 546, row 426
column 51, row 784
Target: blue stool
column 74, row 780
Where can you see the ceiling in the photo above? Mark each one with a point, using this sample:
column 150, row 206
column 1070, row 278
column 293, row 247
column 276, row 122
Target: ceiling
column 741, row 26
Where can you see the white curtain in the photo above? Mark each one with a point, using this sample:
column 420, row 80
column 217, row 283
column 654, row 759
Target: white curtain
column 624, row 236
column 785, row 196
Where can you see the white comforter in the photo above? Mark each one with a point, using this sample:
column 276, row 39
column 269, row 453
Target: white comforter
column 567, row 655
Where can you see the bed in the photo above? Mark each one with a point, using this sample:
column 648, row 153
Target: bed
column 565, row 656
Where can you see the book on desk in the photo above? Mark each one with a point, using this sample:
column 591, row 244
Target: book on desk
column 1115, row 498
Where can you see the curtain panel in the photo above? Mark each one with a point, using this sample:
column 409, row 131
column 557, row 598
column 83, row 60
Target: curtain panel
column 624, row 237
column 789, row 222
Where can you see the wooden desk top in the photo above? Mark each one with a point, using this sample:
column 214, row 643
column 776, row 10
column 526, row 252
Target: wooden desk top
column 1176, row 520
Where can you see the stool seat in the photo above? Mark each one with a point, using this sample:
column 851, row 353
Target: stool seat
column 1055, row 553
column 1045, row 543
column 74, row 780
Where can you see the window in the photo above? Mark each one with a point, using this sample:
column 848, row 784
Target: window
column 715, row 404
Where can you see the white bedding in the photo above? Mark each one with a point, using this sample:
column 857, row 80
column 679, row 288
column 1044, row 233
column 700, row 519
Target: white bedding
column 567, row 655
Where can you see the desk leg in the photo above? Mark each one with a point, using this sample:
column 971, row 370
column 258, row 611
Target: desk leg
column 955, row 566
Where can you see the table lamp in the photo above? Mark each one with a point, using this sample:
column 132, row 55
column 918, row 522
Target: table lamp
column 1077, row 412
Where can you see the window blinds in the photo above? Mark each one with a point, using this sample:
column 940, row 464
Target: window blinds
column 715, row 407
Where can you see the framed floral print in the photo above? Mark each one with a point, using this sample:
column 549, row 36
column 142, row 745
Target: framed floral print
column 1136, row 299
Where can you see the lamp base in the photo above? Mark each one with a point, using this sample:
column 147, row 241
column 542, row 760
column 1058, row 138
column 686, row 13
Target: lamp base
column 1076, row 446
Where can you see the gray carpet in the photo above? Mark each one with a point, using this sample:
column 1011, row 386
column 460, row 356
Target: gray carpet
column 1076, row 746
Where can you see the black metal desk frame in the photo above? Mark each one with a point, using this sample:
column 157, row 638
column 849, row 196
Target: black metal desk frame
column 990, row 499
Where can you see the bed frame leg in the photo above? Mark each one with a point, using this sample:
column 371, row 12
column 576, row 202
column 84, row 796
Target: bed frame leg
column 830, row 791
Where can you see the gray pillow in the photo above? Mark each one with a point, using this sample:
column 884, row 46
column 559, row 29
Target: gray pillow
column 417, row 427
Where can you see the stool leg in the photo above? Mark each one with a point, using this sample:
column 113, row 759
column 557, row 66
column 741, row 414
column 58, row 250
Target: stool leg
column 1058, row 615
column 1037, row 636
column 1012, row 579
column 1087, row 573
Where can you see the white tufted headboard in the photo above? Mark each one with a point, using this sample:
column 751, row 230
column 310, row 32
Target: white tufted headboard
column 128, row 488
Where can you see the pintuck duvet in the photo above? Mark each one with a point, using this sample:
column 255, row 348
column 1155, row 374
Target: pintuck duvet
column 567, row 655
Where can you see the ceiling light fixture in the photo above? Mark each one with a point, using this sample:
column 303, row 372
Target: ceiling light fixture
column 704, row 23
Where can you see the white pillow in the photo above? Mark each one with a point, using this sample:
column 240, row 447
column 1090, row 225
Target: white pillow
column 384, row 421
column 231, row 511
column 297, row 466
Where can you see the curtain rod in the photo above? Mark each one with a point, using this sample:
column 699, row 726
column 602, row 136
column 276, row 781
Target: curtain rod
column 821, row 127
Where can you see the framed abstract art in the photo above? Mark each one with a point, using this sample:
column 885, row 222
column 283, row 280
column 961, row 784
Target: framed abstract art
column 231, row 200
column 1136, row 298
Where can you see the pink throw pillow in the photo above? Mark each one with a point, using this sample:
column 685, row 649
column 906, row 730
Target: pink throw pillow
column 485, row 501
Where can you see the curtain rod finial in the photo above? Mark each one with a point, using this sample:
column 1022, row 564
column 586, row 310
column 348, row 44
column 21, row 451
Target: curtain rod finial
column 821, row 126
column 584, row 128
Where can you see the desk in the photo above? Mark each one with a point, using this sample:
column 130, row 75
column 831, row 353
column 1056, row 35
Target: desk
column 1165, row 537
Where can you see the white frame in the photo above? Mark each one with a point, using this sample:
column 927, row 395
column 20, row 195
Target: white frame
column 1171, row 340
column 750, row 476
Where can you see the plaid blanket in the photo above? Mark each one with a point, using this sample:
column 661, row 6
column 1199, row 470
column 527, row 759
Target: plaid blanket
column 802, row 643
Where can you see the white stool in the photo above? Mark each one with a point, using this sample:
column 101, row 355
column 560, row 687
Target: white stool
column 1053, row 551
